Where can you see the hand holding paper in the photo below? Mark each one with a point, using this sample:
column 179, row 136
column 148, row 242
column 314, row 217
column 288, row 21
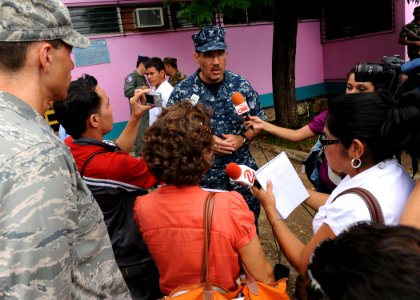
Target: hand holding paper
column 266, row 197
column 288, row 190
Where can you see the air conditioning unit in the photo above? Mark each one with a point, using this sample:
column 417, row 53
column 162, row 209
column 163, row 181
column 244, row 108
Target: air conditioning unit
column 149, row 17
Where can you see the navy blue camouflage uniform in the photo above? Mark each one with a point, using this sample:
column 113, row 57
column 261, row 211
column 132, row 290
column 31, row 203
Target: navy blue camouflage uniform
column 227, row 121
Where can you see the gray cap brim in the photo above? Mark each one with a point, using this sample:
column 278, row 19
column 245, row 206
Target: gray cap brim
column 76, row 39
column 38, row 20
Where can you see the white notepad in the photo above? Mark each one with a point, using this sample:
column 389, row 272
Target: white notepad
column 288, row 189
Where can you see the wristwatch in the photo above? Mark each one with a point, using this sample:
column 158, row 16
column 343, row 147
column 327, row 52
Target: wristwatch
column 246, row 140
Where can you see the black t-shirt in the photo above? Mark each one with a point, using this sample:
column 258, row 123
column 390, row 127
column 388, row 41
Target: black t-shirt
column 212, row 87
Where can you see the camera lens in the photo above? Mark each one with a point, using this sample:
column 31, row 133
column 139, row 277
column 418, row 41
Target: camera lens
column 367, row 72
column 150, row 99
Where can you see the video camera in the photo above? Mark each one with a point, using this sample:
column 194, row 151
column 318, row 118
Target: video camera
column 385, row 75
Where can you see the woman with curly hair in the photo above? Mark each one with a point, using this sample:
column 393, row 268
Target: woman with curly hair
column 178, row 151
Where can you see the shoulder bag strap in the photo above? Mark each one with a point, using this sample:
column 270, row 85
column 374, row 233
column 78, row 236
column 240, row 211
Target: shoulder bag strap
column 208, row 293
column 372, row 203
column 208, row 213
column 82, row 171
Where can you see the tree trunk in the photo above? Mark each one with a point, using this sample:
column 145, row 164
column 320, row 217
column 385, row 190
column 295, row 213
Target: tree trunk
column 283, row 63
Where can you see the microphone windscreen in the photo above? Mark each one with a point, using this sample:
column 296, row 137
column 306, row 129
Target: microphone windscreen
column 237, row 98
column 233, row 170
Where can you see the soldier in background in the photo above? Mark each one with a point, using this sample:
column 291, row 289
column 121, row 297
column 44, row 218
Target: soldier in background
column 54, row 243
column 171, row 70
column 137, row 80
column 410, row 35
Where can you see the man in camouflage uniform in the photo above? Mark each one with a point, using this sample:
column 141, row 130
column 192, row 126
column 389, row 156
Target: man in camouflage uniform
column 134, row 81
column 410, row 35
column 171, row 70
column 213, row 86
column 53, row 240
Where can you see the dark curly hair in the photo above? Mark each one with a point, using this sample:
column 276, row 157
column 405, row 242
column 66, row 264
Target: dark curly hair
column 175, row 146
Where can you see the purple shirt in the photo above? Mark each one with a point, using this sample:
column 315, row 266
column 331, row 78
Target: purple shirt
column 318, row 122
column 316, row 125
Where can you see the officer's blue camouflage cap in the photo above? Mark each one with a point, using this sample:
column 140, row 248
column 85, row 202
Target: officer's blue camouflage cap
column 38, row 20
column 210, row 39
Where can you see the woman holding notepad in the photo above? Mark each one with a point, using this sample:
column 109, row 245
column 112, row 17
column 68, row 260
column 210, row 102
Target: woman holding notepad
column 363, row 134
column 316, row 166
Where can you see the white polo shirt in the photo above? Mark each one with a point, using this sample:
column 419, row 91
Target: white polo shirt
column 165, row 89
column 388, row 181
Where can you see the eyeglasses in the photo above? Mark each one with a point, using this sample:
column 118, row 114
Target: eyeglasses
column 325, row 142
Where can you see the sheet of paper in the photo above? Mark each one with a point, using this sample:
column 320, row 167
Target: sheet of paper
column 288, row 189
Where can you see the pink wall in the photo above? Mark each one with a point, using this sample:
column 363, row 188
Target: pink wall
column 309, row 55
column 123, row 52
column 249, row 54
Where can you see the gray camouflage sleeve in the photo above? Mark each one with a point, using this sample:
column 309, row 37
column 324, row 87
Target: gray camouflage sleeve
column 53, row 241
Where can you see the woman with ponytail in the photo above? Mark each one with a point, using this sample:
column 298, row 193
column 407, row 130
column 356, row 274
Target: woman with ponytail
column 364, row 135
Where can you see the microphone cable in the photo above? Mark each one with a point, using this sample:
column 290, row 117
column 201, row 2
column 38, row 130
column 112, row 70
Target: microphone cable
column 262, row 151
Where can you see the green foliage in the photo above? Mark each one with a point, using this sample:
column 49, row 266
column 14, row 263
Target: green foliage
column 201, row 12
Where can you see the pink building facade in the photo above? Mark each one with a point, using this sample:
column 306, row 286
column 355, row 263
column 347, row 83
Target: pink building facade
column 249, row 54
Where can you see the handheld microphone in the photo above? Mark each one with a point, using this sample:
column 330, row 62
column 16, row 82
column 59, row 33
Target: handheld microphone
column 412, row 67
column 241, row 106
column 242, row 174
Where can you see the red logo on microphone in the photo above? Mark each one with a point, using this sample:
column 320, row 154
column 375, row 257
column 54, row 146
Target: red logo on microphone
column 242, row 108
column 249, row 175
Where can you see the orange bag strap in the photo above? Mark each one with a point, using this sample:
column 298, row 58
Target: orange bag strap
column 208, row 214
column 250, row 281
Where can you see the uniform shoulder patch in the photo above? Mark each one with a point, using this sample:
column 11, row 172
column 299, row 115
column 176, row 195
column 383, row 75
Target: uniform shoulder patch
column 129, row 79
